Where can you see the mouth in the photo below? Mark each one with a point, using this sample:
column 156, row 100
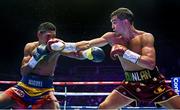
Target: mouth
column 115, row 31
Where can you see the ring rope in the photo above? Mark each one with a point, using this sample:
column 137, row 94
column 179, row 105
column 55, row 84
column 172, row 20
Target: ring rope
column 81, row 93
column 79, row 83
column 124, row 108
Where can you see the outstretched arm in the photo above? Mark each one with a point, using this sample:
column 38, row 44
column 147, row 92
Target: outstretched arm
column 97, row 42
column 94, row 54
column 77, row 50
column 66, row 47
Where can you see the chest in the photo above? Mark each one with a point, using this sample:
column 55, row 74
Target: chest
column 52, row 57
column 117, row 40
column 134, row 44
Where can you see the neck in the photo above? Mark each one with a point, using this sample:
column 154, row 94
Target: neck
column 130, row 33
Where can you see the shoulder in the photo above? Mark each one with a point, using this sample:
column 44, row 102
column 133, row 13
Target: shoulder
column 147, row 38
column 31, row 45
column 109, row 35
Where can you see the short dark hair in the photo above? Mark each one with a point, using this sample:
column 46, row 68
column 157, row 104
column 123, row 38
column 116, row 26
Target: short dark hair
column 123, row 13
column 46, row 26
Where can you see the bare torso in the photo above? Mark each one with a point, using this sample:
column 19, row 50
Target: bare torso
column 46, row 67
column 134, row 45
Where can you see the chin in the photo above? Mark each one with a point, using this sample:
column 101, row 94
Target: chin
column 117, row 33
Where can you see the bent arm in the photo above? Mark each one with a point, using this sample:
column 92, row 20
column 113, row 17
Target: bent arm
column 25, row 68
column 148, row 57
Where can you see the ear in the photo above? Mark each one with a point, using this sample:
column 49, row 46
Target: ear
column 38, row 34
column 126, row 21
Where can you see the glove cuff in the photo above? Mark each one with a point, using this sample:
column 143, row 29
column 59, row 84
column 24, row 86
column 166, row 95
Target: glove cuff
column 88, row 54
column 32, row 62
column 131, row 56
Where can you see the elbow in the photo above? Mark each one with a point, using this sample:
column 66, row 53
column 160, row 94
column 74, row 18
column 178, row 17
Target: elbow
column 25, row 69
column 147, row 63
column 22, row 70
column 151, row 65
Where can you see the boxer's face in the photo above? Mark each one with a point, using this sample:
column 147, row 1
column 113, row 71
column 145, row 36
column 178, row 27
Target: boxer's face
column 45, row 36
column 118, row 25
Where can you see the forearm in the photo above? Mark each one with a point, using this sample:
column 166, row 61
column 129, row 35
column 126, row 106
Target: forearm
column 140, row 60
column 146, row 62
column 57, row 45
column 82, row 45
column 68, row 47
column 97, row 42
column 28, row 64
column 76, row 55
column 25, row 69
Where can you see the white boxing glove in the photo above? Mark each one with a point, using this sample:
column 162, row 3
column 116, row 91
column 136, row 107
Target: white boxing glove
column 58, row 45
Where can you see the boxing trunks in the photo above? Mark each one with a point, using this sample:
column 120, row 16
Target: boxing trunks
column 32, row 91
column 146, row 86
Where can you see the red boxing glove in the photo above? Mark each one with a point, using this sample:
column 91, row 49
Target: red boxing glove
column 117, row 50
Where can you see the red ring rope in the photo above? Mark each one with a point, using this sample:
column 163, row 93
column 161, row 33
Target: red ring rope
column 78, row 83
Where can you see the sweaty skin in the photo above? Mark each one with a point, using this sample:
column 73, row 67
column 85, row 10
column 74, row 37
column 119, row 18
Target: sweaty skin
column 46, row 67
column 142, row 43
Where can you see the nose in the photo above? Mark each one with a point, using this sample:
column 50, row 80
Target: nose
column 48, row 37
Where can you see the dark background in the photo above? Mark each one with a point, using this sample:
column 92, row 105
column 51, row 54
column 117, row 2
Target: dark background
column 86, row 19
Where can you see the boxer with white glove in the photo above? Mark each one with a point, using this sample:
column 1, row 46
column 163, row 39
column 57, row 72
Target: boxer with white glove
column 124, row 53
column 59, row 45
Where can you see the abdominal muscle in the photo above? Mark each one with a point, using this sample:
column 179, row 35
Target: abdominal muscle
column 47, row 66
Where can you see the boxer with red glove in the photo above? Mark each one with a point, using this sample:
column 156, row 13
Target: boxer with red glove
column 120, row 50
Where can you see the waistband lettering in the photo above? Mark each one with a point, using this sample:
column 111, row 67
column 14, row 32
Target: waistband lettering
column 35, row 83
column 145, row 75
column 135, row 77
column 138, row 76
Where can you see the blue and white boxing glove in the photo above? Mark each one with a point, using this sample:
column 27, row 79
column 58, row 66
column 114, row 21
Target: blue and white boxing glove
column 95, row 54
column 38, row 54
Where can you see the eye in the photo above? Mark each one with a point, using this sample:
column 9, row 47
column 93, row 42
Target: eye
column 114, row 22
